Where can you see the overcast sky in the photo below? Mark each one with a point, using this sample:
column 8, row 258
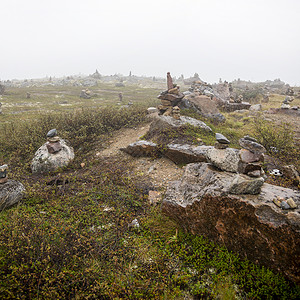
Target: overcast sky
column 229, row 39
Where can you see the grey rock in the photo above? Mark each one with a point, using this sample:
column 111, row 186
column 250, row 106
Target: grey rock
column 225, row 159
column 291, row 203
column 167, row 122
column 52, row 133
column 249, row 157
column 11, row 192
column 142, row 148
column 284, row 205
column 252, row 146
column 256, row 107
column 222, row 139
column 183, row 154
column 44, row 162
column 151, row 110
column 285, row 106
column 246, row 185
column 250, row 225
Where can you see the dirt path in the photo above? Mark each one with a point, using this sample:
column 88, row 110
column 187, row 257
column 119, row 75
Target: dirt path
column 159, row 170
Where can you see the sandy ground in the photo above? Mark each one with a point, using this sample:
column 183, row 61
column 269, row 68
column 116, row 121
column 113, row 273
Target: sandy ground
column 159, row 170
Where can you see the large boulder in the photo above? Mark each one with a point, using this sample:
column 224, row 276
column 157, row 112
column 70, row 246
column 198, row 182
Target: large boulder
column 11, row 192
column 167, row 122
column 204, row 105
column 225, row 159
column 250, row 225
column 44, row 162
column 142, row 148
column 184, row 154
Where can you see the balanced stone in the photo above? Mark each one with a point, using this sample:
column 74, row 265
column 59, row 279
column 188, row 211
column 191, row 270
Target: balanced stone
column 52, row 133
column 284, row 205
column 252, row 146
column 222, row 139
column 291, row 203
column 220, row 146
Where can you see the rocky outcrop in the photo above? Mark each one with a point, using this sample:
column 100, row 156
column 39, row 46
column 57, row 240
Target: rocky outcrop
column 11, row 192
column 167, row 122
column 142, row 148
column 44, row 161
column 184, row 154
column 249, row 223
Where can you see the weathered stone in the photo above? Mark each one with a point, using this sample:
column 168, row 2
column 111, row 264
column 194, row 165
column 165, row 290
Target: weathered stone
column 250, row 225
column 285, row 106
column 11, row 192
column 52, row 133
column 169, row 81
column 249, row 157
column 246, row 185
column 252, row 146
column 255, row 173
column 167, row 122
column 222, row 139
column 142, row 148
column 166, row 102
column 291, row 173
column 291, row 203
column 184, row 154
column 224, row 159
column 236, row 106
column 284, row 205
column 171, row 97
column 245, row 168
column 3, row 173
column 44, row 162
column 53, row 147
column 250, row 138
column 256, row 107
column 151, row 110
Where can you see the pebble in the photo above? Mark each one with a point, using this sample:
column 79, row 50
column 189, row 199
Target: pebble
column 291, row 203
column 277, row 202
column 284, row 205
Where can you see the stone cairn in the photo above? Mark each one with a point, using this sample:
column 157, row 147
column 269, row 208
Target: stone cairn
column 169, row 99
column 53, row 142
column 85, row 94
column 11, row 191
column 286, row 104
column 251, row 157
column 54, row 154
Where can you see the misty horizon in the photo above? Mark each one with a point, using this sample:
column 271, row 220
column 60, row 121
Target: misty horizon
column 251, row 40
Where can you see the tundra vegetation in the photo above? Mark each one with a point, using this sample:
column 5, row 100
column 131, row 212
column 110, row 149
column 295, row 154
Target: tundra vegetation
column 70, row 238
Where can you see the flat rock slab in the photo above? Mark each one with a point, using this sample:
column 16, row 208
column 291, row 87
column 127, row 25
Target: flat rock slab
column 142, row 148
column 229, row 107
column 250, row 225
column 225, row 159
column 167, row 122
column 11, row 192
column 184, row 154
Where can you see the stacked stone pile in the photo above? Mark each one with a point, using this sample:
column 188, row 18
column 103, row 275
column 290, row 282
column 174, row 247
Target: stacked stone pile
column 85, row 94
column 170, row 98
column 251, row 156
column 286, row 104
column 54, row 154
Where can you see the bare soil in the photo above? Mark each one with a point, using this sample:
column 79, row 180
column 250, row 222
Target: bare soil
column 159, row 171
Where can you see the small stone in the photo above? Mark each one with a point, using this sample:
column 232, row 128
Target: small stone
column 255, row 173
column 291, row 203
column 53, row 139
column 53, row 147
column 52, row 133
column 82, row 165
column 249, row 157
column 284, row 205
column 222, row 139
column 277, row 202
